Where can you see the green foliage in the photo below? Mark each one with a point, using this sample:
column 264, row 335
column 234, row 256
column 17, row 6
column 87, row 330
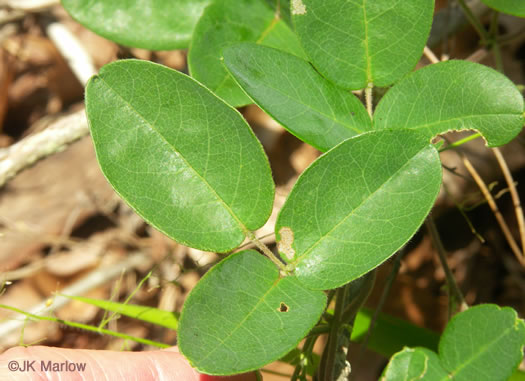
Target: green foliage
column 184, row 160
column 147, row 24
column 86, row 327
column 226, row 22
column 512, row 7
column 358, row 204
column 454, row 95
column 414, row 364
column 391, row 334
column 484, row 343
column 243, row 315
column 289, row 89
column 191, row 166
column 357, row 43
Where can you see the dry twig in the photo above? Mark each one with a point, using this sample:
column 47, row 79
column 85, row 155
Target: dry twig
column 56, row 137
column 93, row 280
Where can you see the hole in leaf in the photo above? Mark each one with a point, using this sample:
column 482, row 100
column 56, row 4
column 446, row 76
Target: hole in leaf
column 283, row 307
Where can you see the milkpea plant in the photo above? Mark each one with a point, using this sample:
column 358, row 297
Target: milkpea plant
column 178, row 152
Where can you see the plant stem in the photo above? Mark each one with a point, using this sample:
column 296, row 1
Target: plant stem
column 331, row 345
column 114, row 314
column 87, row 327
column 493, row 31
column 258, row 375
column 475, row 22
column 308, row 347
column 430, row 55
column 384, row 295
column 454, row 291
column 266, row 251
column 296, row 372
column 365, row 289
column 461, row 142
column 369, row 100
column 319, row 330
column 514, row 194
column 494, row 207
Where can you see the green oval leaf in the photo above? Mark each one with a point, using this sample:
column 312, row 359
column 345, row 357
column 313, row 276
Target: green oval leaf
column 147, row 24
column 484, row 343
column 183, row 159
column 226, row 22
column 357, row 43
column 357, row 205
column 415, row 364
column 454, row 95
column 512, row 7
column 293, row 92
column 242, row 315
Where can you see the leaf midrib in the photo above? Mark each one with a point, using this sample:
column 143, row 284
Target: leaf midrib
column 259, row 41
column 219, row 198
column 367, row 48
column 484, row 349
column 458, row 118
column 321, row 239
column 308, row 106
column 238, row 326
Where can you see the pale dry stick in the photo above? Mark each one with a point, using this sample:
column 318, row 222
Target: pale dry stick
column 72, row 50
column 520, row 254
column 65, row 130
column 494, row 207
column 69, row 225
column 96, row 278
column 478, row 55
column 23, row 272
column 31, row 5
column 7, row 16
column 56, row 137
column 514, row 195
column 430, row 55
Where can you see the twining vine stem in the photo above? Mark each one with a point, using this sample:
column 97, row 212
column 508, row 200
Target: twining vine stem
column 519, row 253
column 335, row 326
column 475, row 22
column 494, row 207
column 454, row 290
column 382, row 300
column 515, row 197
column 495, row 46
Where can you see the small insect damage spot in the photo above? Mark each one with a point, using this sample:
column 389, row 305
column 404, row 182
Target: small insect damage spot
column 285, row 244
column 298, row 8
column 283, row 307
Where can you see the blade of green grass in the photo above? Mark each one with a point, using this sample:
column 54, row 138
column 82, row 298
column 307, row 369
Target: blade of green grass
column 87, row 327
column 151, row 315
